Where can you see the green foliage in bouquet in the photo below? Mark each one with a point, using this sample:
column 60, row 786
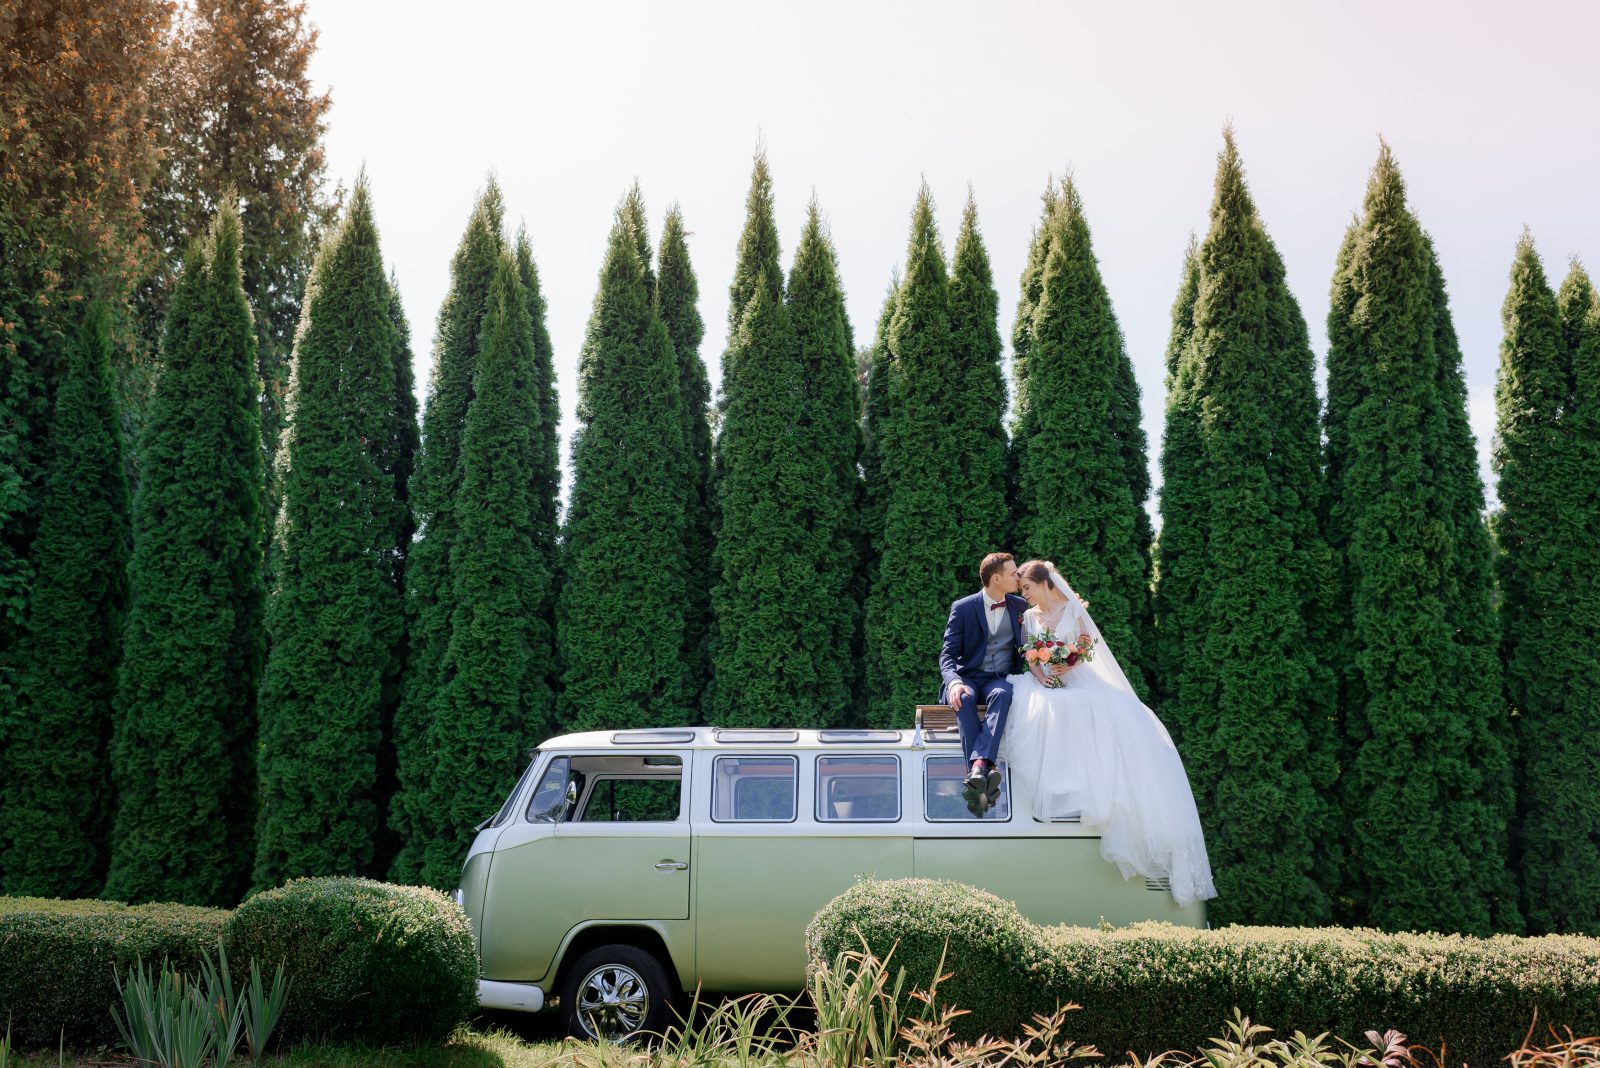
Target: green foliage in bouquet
column 55, row 776
column 623, row 565
column 1427, row 766
column 1547, row 533
column 335, row 618
column 183, row 748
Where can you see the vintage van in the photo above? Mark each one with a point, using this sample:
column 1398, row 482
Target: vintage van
column 629, row 866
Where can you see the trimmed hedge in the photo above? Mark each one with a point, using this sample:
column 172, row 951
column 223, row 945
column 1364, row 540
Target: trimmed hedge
column 367, row 961
column 1153, row 986
column 59, row 961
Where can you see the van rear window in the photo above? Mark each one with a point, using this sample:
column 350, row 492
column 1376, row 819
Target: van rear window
column 754, row 789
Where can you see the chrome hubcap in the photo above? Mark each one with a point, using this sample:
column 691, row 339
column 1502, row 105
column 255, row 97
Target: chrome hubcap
column 613, row 1002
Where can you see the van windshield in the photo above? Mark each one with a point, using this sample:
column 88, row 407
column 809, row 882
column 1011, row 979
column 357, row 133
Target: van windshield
column 506, row 808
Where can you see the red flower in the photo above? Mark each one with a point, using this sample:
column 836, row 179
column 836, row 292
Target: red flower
column 1072, row 658
column 1038, row 643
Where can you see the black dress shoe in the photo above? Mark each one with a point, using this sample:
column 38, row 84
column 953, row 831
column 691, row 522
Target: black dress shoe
column 992, row 787
column 977, row 800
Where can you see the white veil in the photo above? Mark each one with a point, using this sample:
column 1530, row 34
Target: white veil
column 1104, row 664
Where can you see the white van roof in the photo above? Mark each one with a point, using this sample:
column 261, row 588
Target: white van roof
column 722, row 737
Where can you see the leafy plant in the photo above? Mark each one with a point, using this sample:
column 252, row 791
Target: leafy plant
column 172, row 1021
column 263, row 1008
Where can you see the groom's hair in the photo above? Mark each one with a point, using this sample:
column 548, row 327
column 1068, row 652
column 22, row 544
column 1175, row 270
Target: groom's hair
column 992, row 565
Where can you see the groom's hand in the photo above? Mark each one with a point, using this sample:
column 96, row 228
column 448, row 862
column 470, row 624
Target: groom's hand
column 956, row 691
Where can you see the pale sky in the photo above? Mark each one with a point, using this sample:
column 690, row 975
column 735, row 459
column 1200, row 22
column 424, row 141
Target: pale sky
column 1491, row 108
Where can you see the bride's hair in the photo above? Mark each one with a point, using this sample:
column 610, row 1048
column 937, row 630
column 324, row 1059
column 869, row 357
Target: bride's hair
column 1038, row 571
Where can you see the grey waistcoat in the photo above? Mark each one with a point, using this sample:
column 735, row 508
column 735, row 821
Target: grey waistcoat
column 997, row 655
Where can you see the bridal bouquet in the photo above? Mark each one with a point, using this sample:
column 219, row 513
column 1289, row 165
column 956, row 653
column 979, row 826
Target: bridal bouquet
column 1046, row 649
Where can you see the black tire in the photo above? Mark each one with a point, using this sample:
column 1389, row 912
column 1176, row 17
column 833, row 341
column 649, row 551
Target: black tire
column 637, row 991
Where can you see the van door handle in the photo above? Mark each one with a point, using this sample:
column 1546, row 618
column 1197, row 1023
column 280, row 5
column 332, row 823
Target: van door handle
column 672, row 865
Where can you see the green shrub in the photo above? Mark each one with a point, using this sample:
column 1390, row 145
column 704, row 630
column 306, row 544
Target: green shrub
column 1152, row 987
column 59, row 961
column 367, row 961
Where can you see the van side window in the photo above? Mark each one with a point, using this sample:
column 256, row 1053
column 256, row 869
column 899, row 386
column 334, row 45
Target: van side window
column 653, row 795
column 558, row 789
column 754, row 789
column 858, row 789
column 942, row 777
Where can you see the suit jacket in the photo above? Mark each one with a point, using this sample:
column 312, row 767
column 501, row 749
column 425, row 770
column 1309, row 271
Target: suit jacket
column 966, row 637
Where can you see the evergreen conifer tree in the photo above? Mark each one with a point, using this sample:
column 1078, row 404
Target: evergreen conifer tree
column 547, row 467
column 335, row 619
column 677, row 301
column 498, row 702
column 1428, row 845
column 875, row 414
column 1077, row 505
column 183, row 745
column 784, row 628
column 1255, row 709
column 1180, row 551
column 1549, row 465
column 55, row 776
column 620, row 614
column 934, row 515
column 818, row 587
column 980, row 433
column 414, row 814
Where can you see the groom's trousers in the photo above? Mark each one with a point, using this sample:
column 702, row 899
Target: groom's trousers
column 981, row 739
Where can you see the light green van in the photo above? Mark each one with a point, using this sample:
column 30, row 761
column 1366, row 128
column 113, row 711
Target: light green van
column 629, row 866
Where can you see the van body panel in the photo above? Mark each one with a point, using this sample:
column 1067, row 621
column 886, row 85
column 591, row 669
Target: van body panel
column 756, row 892
column 1058, row 881
column 534, row 901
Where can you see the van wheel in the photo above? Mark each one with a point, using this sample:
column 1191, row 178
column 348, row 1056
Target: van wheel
column 614, row 993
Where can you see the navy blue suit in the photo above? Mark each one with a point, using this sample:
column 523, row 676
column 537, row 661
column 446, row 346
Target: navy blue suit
column 966, row 639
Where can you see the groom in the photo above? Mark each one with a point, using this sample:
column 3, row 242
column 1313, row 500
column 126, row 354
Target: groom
column 980, row 650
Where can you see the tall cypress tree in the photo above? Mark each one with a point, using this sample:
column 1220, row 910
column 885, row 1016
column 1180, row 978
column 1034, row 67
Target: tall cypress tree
column 975, row 335
column 1427, row 844
column 1180, row 551
column 621, row 607
column 336, row 619
column 874, row 420
column 413, row 815
column 183, row 743
column 1256, row 709
column 397, row 456
column 55, row 778
column 677, row 302
column 546, row 474
column 1549, row 466
column 498, row 700
column 933, row 538
column 1076, row 504
column 819, row 593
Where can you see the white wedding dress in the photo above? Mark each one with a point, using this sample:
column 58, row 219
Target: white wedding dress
column 1091, row 748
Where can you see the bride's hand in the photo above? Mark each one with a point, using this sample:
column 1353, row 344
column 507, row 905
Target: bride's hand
column 1046, row 681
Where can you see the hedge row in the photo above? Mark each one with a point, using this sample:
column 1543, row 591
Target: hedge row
column 366, row 961
column 1153, row 986
column 59, row 959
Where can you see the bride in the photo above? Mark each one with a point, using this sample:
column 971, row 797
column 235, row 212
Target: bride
column 1082, row 743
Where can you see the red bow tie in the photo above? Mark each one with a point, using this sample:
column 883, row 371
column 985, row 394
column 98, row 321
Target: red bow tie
column 997, row 604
